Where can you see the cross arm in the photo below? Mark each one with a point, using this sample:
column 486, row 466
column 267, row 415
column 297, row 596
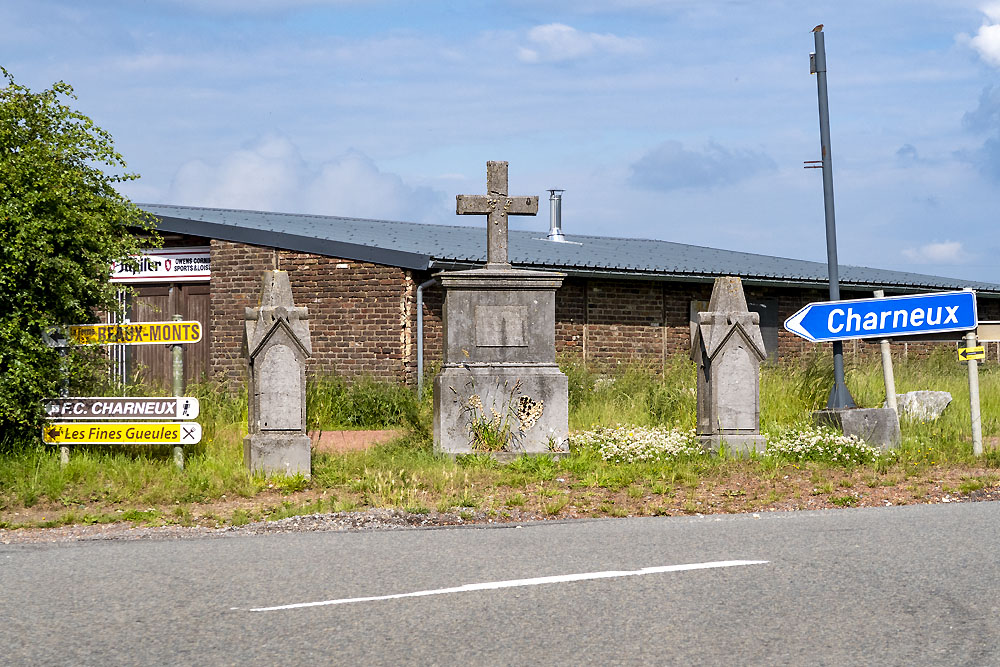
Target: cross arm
column 484, row 205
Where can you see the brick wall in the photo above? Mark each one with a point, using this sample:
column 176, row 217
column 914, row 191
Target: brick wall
column 359, row 313
column 363, row 316
column 235, row 285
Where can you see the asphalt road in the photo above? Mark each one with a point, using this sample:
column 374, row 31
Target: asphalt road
column 916, row 585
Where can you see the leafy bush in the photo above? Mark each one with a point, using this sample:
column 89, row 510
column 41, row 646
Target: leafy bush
column 62, row 223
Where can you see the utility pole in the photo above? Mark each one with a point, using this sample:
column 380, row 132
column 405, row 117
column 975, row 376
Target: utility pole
column 840, row 397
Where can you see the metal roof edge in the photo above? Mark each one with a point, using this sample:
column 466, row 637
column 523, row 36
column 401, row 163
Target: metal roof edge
column 285, row 241
column 439, row 265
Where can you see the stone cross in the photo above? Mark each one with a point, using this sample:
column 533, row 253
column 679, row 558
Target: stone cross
column 497, row 205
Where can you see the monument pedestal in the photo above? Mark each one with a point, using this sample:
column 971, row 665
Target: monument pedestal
column 728, row 349
column 277, row 343
column 876, row 426
column 735, row 444
column 271, row 453
column 531, row 401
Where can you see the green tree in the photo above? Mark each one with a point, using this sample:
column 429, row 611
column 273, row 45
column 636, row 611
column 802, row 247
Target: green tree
column 62, row 224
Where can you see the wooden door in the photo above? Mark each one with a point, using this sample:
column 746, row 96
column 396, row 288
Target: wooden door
column 153, row 364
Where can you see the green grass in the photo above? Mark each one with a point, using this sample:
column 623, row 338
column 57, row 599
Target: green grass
column 103, row 484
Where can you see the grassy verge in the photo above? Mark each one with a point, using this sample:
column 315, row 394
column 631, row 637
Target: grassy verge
column 103, row 484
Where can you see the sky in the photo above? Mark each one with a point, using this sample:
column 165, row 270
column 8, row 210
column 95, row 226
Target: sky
column 680, row 120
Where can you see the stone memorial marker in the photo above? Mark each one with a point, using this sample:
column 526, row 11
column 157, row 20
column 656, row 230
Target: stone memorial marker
column 277, row 344
column 728, row 349
column 500, row 389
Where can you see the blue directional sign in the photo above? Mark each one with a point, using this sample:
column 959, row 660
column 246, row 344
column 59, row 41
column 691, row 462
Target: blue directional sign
column 885, row 317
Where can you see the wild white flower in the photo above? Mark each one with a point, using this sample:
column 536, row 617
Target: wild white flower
column 822, row 443
column 632, row 444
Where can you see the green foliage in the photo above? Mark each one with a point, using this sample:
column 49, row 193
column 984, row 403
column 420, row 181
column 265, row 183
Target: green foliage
column 62, row 224
column 366, row 403
column 637, row 395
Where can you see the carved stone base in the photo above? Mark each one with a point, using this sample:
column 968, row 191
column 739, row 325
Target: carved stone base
column 501, row 388
column 270, row 453
column 740, row 445
column 876, row 426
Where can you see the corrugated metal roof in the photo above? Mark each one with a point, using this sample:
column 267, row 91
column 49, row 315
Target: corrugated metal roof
column 425, row 246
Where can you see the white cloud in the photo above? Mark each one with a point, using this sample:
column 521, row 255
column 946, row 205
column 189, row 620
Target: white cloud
column 270, row 175
column 944, row 252
column 987, row 39
column 557, row 42
column 670, row 166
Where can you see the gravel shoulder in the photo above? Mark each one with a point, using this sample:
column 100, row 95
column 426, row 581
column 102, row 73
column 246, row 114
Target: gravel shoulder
column 396, row 519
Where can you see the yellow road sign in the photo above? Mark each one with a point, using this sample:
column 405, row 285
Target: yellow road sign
column 188, row 433
column 136, row 333
column 967, row 353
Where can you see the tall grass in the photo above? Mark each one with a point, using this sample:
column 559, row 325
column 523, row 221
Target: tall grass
column 408, row 474
column 366, row 403
column 637, row 395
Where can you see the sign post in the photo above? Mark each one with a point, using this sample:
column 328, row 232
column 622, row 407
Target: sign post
column 110, row 408
column 840, row 397
column 977, row 422
column 122, row 433
column 887, row 375
column 178, row 359
column 136, row 333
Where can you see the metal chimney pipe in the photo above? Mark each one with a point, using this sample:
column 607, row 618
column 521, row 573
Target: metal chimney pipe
column 555, row 216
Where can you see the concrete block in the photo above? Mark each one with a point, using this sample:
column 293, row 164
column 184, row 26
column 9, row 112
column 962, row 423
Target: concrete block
column 273, row 453
column 738, row 445
column 876, row 426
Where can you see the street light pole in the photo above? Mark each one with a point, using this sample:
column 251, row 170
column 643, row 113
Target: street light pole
column 840, row 397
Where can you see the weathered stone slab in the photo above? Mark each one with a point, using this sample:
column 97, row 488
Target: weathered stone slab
column 532, row 400
column 277, row 344
column 278, row 453
column 876, row 426
column 728, row 348
column 923, row 405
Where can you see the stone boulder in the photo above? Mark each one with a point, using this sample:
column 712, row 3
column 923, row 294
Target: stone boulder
column 923, row 405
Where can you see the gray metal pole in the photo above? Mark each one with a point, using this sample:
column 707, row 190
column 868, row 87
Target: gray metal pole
column 977, row 422
column 420, row 335
column 840, row 397
column 64, row 392
column 887, row 374
column 178, row 354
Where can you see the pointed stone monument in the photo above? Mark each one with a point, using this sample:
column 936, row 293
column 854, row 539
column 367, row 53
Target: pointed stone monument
column 276, row 342
column 500, row 390
column 728, row 349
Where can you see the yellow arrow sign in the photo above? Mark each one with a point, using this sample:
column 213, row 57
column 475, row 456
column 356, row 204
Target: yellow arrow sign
column 120, row 433
column 136, row 333
column 967, row 353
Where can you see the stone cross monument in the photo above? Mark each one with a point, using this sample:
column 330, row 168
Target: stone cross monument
column 277, row 343
column 728, row 349
column 496, row 205
column 500, row 389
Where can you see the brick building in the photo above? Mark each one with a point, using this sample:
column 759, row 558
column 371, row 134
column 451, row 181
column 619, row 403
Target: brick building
column 623, row 299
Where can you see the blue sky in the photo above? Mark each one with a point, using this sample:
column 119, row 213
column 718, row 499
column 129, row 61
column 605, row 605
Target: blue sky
column 683, row 120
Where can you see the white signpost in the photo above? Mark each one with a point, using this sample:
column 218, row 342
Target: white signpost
column 122, row 407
